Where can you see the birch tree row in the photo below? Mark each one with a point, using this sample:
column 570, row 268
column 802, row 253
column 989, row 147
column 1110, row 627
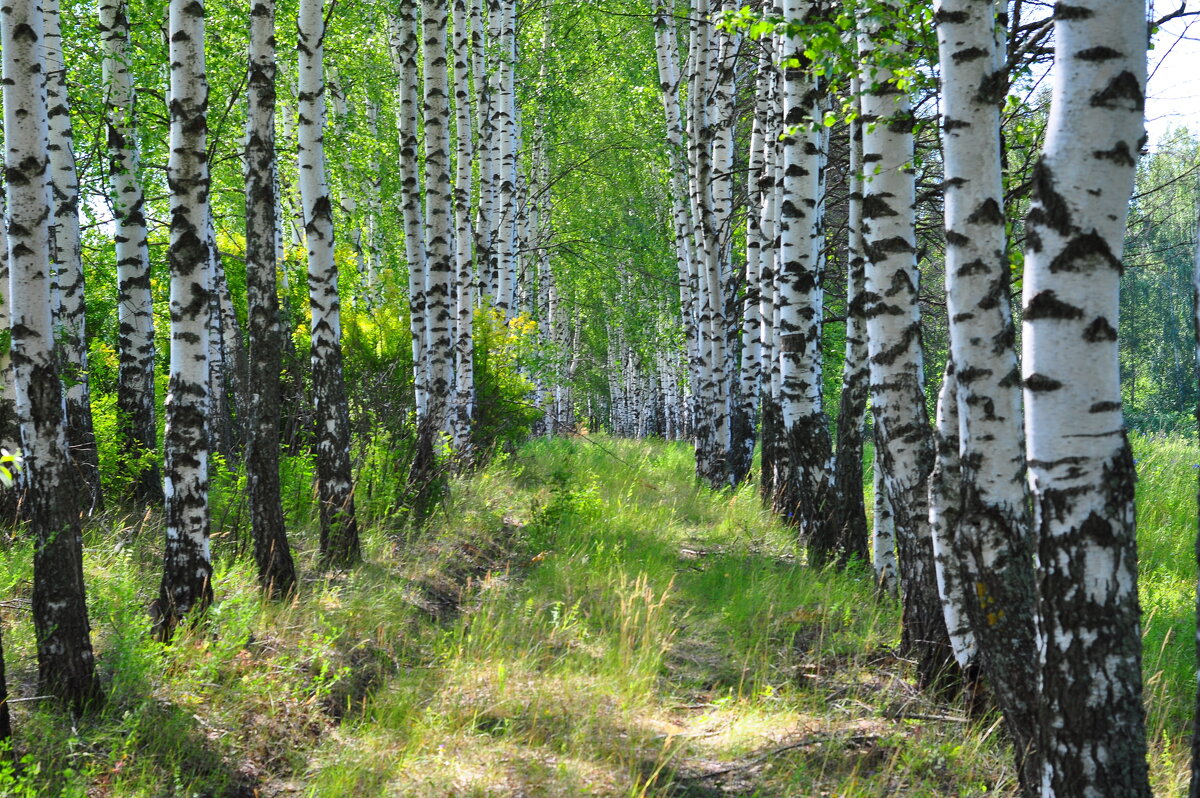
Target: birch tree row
column 952, row 520
column 804, row 179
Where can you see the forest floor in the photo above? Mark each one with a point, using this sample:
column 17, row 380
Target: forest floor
column 580, row 619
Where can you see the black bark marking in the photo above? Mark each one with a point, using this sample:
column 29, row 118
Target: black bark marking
column 969, row 54
column 1049, row 209
column 1039, row 383
column 1082, row 253
column 1125, row 90
column 1119, row 154
column 1099, row 331
column 874, row 206
column 1101, row 53
column 1047, row 305
column 1066, row 12
column 951, row 17
column 988, row 212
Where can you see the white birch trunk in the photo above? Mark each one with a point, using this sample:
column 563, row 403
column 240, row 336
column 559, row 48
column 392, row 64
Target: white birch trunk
column 669, row 81
column 883, row 535
column 993, row 539
column 806, row 489
column 10, row 431
column 464, row 297
column 135, row 322
column 187, row 570
column 1194, row 787
column 339, row 529
column 504, row 95
column 1093, row 721
column 746, row 417
column 483, row 67
column 272, row 555
column 903, row 434
column 66, row 667
column 439, row 243
column 945, row 503
column 68, row 265
column 405, row 47
column 856, row 375
column 374, row 209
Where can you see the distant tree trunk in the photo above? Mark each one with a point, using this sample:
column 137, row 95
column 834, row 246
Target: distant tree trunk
column 993, row 538
column 856, row 372
column 883, row 534
column 712, row 418
column 374, row 210
column 66, row 668
column 666, row 48
column 227, row 365
column 464, row 295
column 482, row 67
column 1194, row 791
column 405, row 48
column 746, row 419
column 1092, row 719
column 187, row 570
column 10, row 428
column 135, row 332
column 903, row 434
column 723, row 107
column 945, row 506
column 502, row 18
column 335, row 487
column 769, row 277
column 439, row 244
column 276, row 571
column 806, row 492
column 5, row 720
column 68, row 266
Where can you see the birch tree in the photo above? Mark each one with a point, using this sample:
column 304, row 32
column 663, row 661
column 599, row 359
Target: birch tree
column 483, row 66
column 335, row 488
column 745, row 420
column 66, row 667
column 991, row 537
column 187, row 564
column 68, row 265
column 856, row 373
column 439, row 243
column 502, row 22
column 1092, row 720
column 405, row 48
column 945, row 504
column 667, row 58
column 10, row 429
column 904, row 440
column 464, row 239
column 806, row 487
column 1194, row 788
column 135, row 336
column 276, row 571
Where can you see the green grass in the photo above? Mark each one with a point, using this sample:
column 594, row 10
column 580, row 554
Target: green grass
column 582, row 619
column 1166, row 515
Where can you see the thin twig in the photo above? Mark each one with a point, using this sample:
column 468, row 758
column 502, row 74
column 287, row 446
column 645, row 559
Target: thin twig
column 807, row 741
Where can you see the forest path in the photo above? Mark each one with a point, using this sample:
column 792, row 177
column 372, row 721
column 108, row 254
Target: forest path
column 650, row 637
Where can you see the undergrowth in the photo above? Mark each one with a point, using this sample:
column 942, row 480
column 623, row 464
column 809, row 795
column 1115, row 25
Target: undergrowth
column 580, row 618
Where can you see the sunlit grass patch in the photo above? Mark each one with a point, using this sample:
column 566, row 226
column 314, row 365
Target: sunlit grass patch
column 581, row 617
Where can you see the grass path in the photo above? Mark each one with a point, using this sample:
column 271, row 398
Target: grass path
column 653, row 638
column 582, row 620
